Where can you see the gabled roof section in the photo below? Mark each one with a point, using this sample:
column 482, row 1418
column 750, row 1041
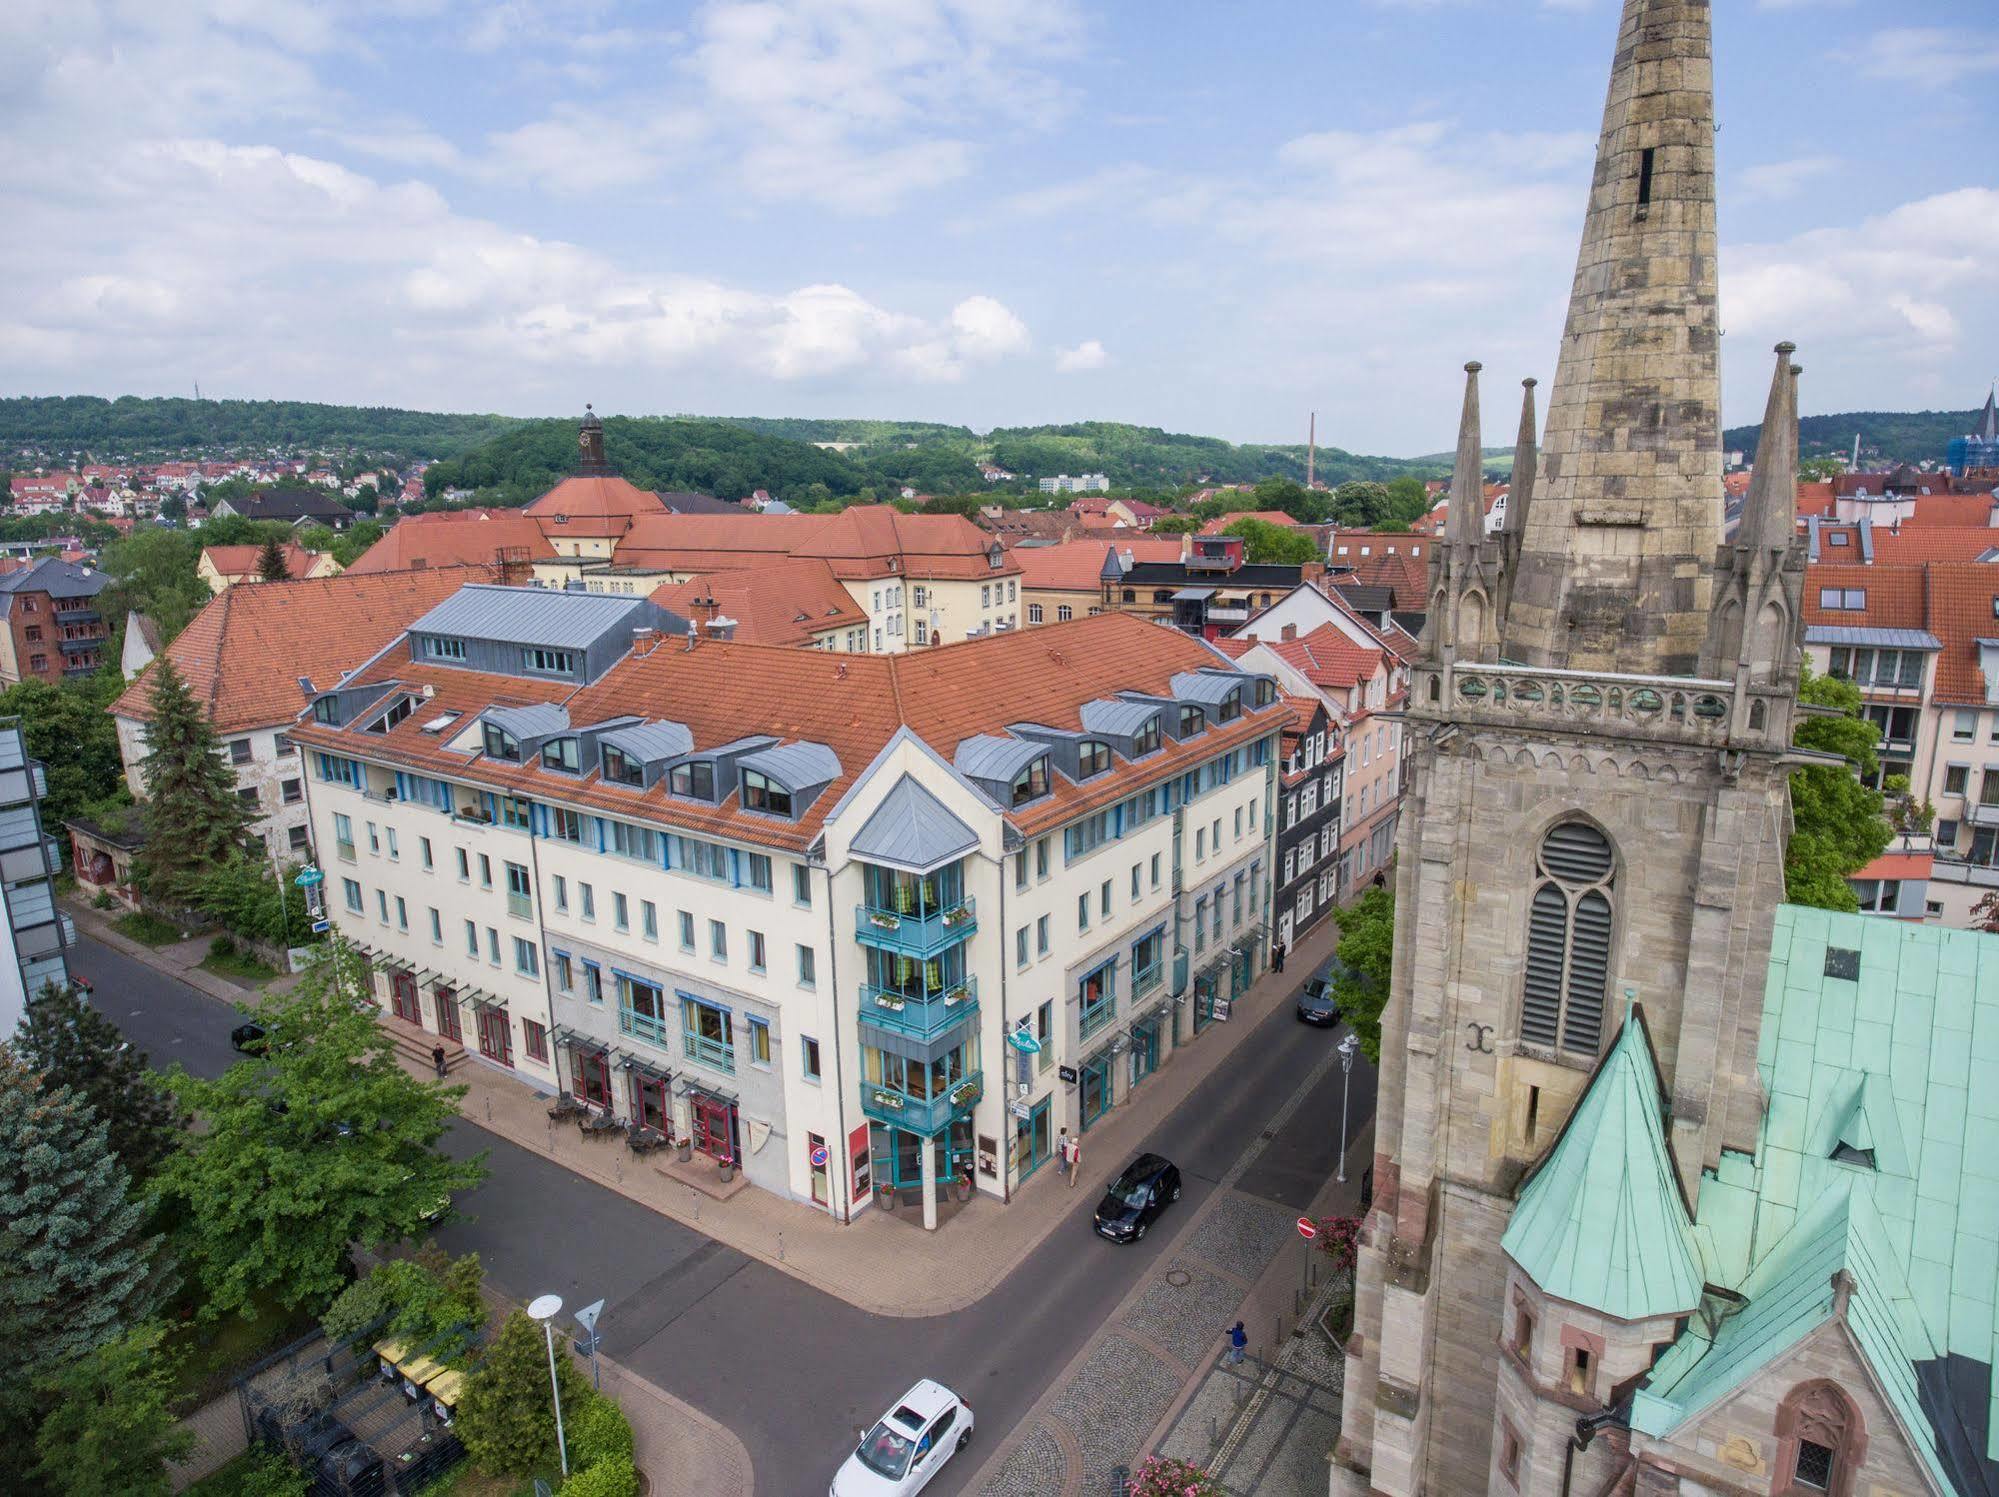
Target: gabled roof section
column 532, row 616
column 593, row 504
column 451, row 538
column 650, row 742
column 913, row 830
column 1601, row 1222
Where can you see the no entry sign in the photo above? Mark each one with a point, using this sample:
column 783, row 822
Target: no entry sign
column 1307, row 1228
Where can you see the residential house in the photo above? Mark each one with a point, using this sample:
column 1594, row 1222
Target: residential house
column 1308, row 804
column 292, row 506
column 222, row 567
column 796, row 602
column 1209, row 591
column 1085, row 483
column 53, row 626
column 456, row 538
column 1064, row 582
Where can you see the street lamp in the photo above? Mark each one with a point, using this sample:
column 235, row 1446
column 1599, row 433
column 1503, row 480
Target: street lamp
column 1347, row 1048
column 545, row 1310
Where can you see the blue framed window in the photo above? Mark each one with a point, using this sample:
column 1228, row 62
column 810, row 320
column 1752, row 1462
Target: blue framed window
column 527, row 957
column 1096, row 998
column 1148, row 960
column 352, row 890
column 708, row 1033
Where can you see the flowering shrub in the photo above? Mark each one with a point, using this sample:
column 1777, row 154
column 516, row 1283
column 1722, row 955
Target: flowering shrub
column 1339, row 1239
column 1162, row 1476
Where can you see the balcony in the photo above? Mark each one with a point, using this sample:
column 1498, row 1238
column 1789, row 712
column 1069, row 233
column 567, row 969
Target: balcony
column 520, row 906
column 925, row 1115
column 717, row 1053
column 37, row 860
column 921, row 1018
column 916, row 934
column 345, row 848
column 1145, row 979
column 85, row 615
column 80, row 646
column 1950, row 870
column 645, row 1027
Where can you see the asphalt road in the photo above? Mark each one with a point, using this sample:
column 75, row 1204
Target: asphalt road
column 794, row 1372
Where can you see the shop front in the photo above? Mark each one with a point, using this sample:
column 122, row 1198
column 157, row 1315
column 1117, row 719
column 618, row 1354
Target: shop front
column 918, row 1097
column 646, row 1095
column 402, row 998
column 1094, row 1093
column 590, row 1073
column 496, row 1032
column 444, row 1003
column 1033, row 1138
column 713, row 1124
column 1144, row 1046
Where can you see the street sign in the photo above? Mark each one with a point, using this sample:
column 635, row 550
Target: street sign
column 321, row 927
column 1024, row 1042
column 1307, row 1228
column 1067, row 1073
column 309, row 876
column 819, row 1157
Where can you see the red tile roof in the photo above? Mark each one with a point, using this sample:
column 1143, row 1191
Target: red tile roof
column 594, row 504
column 786, row 602
column 451, row 538
column 1954, row 509
column 1815, row 499
column 1076, row 566
column 1894, row 596
column 864, row 541
column 1912, row 544
column 244, row 561
column 243, row 654
column 1963, row 609
column 1269, row 517
column 1328, row 659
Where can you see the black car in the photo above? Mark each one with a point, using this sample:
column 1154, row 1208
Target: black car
column 1137, row 1197
column 248, row 1039
column 1315, row 1000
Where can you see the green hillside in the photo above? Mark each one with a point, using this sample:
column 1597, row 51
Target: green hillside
column 1885, row 436
column 132, row 427
column 1147, row 457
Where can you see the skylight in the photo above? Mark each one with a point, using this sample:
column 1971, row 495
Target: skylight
column 439, row 723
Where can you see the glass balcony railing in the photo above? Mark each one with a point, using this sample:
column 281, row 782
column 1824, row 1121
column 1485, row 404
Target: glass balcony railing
column 520, row 906
column 1096, row 1018
column 1145, row 979
column 922, row 1017
column 915, row 933
column 652, row 1030
column 710, row 1052
column 925, row 1115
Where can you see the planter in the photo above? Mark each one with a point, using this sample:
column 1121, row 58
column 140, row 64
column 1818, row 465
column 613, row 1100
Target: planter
column 726, row 1171
column 964, row 1189
column 885, row 922
column 893, row 1005
column 885, row 1197
column 890, row 1101
column 685, row 1151
column 964, row 1093
column 958, row 916
column 955, row 997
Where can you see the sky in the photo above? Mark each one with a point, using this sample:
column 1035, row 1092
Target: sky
column 1208, row 217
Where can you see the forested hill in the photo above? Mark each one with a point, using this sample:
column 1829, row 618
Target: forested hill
column 1147, row 457
column 1885, row 436
column 131, row 426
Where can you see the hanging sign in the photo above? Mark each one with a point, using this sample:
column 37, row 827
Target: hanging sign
column 1067, row 1073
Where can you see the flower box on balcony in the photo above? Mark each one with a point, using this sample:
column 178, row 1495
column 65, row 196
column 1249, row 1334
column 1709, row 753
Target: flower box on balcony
column 881, row 920
column 964, row 1093
column 957, row 995
column 957, row 916
column 893, row 1005
column 892, row 1101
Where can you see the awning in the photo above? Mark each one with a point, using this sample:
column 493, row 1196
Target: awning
column 644, row 1067
column 688, row 1086
column 1193, row 594
column 484, row 1000
column 562, row 1034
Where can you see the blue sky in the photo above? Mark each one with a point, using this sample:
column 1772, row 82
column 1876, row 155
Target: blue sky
column 1211, row 217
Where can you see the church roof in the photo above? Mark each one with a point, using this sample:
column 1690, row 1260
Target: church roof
column 1879, row 1158
column 1601, row 1222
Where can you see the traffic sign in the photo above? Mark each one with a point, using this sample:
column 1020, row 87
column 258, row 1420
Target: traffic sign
column 1307, row 1228
column 1024, row 1042
column 321, row 927
column 819, row 1157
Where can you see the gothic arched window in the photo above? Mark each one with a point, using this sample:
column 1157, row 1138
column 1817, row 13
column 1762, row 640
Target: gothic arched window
column 1568, row 941
column 1821, row 1441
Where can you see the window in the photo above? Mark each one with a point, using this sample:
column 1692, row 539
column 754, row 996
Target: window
column 1082, row 912
column 757, row 962
column 472, row 939
column 686, row 930
column 534, row 1038
column 423, row 846
column 1093, row 758
column 1104, row 900
column 639, row 843
column 1580, row 1370
column 485, row 871
column 443, row 649
column 1146, row 740
column 247, row 798
column 589, row 897
column 527, row 957
column 620, row 768
column 621, row 912
column 560, row 753
column 648, row 919
column 500, row 744
column 1821, row 1441
column 1032, row 782
column 1041, row 936
column 547, row 662
column 563, row 971
column 1964, row 725
column 759, row 1043
column 492, row 946
column 1568, row 941
column 695, row 781
column 239, row 751
column 801, row 884
column 1020, row 947
column 1843, row 598
column 1200, row 843
column 808, row 967
column 759, row 871
column 402, row 914
column 1137, row 879
column 291, row 791
column 808, row 1057
column 436, row 928
column 1814, row 1466
column 1034, row 613
column 296, row 838
column 708, row 1033
column 1041, row 858
column 352, row 891
column 718, row 940
column 1509, row 1439
column 565, row 825
column 1064, row 613
column 1842, row 962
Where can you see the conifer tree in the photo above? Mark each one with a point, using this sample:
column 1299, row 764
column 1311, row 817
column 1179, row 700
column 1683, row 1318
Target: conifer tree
column 76, row 1269
column 505, row 1416
column 192, row 816
column 68, row 1043
column 271, row 563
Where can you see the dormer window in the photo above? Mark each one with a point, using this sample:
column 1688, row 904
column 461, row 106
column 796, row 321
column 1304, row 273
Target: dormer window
column 546, row 662
column 622, row 768
column 395, row 714
column 994, row 556
column 500, row 744
column 1231, row 707
column 1093, row 757
column 1192, row 721
column 326, row 710
column 695, row 781
column 762, row 793
column 1146, row 739
column 560, row 753
column 1031, row 783
column 435, row 648
column 1266, row 693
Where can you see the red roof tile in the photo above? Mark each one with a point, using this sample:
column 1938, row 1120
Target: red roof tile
column 1077, row 566
column 245, row 561
column 453, row 538
column 776, row 603
column 1269, row 517
column 1894, row 596
column 594, row 504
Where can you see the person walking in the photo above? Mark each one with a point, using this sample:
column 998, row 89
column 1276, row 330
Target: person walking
column 1062, row 1153
column 437, row 1060
column 1277, row 957
column 1075, row 1160
column 1238, row 1342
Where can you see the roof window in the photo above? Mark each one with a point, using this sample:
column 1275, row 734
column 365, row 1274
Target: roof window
column 440, row 722
column 561, row 754
column 1093, row 757
column 1031, row 783
column 762, row 793
column 1843, row 962
column 1192, row 720
column 621, row 768
column 435, row 647
column 500, row 744
column 694, row 780
column 397, row 713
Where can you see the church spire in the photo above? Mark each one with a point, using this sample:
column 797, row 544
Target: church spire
column 1526, row 458
column 1464, row 523
column 1988, row 429
column 1616, row 560
column 1769, row 513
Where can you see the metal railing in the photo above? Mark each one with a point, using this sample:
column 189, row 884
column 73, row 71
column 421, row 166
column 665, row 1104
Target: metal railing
column 926, row 1115
column 1093, row 1019
column 915, row 933
column 646, row 1027
column 923, row 1016
column 520, row 906
column 720, row 1054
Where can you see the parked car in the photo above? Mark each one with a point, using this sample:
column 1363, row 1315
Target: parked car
column 248, row 1039
column 1315, row 999
column 908, row 1445
column 1148, row 1185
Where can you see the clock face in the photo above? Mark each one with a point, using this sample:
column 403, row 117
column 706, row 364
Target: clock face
column 583, row 440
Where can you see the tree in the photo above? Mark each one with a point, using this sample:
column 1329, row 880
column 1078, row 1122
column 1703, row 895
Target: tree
column 504, row 1415
column 271, row 563
column 68, row 728
column 417, row 1300
column 68, row 1043
column 1339, row 1239
column 1837, row 823
column 351, row 542
column 1985, row 914
column 1361, row 504
column 1408, row 500
column 1282, row 545
column 322, row 1143
column 1820, row 469
column 1366, row 962
column 77, row 1269
column 246, row 896
column 110, row 1429
column 193, row 819
column 153, row 571
column 1175, row 525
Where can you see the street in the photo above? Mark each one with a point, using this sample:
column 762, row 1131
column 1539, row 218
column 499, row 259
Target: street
column 797, row 1373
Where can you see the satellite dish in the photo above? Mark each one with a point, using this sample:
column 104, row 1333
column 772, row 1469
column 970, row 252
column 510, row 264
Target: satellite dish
column 546, row 1308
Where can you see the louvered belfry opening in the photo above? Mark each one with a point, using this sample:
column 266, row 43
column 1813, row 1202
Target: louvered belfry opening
column 1568, row 942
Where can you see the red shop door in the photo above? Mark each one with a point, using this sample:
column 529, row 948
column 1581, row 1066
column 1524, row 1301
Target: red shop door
column 714, row 1128
column 447, row 1014
column 496, row 1036
column 402, row 998
column 649, row 1104
column 590, row 1076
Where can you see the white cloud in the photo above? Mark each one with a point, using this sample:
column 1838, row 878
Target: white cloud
column 1926, row 56
column 1783, row 179
column 1089, row 354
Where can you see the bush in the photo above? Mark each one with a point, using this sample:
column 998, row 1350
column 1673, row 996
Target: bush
column 600, row 1433
column 222, row 946
column 1162, row 1476
column 417, row 1300
column 504, row 1416
column 614, row 1476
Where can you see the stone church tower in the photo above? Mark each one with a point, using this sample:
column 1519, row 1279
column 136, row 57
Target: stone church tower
column 1592, row 838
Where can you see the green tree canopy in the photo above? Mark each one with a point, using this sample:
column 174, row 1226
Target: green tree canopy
column 1837, row 823
column 416, row 1300
column 505, row 1416
column 1366, row 962
column 1361, row 504
column 1281, row 545
column 77, row 1269
column 322, row 1143
column 110, row 1428
column 152, row 570
column 1175, row 525
column 192, row 817
column 68, row 727
column 1408, row 501
column 271, row 563
column 68, row 1043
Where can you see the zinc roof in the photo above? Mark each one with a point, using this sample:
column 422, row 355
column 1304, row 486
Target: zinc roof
column 528, row 615
column 650, row 742
column 913, row 830
column 796, row 765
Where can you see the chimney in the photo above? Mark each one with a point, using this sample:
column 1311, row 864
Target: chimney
column 642, row 640
column 722, row 627
column 1288, row 633
column 1312, row 571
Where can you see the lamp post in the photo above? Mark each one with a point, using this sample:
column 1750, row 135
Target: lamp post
column 1347, row 1048
column 545, row 1309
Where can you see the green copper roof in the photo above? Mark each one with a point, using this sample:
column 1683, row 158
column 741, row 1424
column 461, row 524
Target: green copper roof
column 1879, row 1156
column 1601, row 1222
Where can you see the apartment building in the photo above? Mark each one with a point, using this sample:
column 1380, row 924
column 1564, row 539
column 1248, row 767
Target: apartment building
column 1066, row 581
column 1310, row 783
column 254, row 657
column 1211, row 590
column 35, row 937
column 54, row 627
column 859, row 926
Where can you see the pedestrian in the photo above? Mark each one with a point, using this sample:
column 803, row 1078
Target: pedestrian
column 437, row 1060
column 1062, row 1153
column 1075, row 1160
column 1277, row 957
column 1238, row 1341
